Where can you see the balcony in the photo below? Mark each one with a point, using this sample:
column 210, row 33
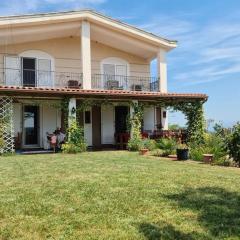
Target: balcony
column 37, row 78
column 119, row 82
column 53, row 79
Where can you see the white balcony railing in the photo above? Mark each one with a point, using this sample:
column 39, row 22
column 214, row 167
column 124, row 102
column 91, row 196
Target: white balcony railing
column 36, row 78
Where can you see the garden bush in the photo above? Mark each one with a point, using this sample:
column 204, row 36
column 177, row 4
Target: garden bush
column 213, row 144
column 149, row 144
column 233, row 144
column 157, row 153
column 168, row 145
column 76, row 142
column 135, row 144
column 72, row 148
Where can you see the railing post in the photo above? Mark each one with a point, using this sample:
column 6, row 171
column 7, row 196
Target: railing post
column 86, row 54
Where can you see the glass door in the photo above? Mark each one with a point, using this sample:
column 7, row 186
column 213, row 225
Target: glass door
column 31, row 126
column 29, row 75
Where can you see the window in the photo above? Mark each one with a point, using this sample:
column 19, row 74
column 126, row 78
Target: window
column 87, row 116
column 113, row 69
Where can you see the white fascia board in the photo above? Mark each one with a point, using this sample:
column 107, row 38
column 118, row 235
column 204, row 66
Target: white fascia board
column 92, row 16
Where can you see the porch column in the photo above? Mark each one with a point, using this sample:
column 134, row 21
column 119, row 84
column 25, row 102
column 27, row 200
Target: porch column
column 162, row 70
column 72, row 111
column 162, row 75
column 131, row 115
column 86, row 54
column 164, row 117
column 161, row 118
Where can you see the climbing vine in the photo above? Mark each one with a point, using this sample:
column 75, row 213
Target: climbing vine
column 85, row 104
column 195, row 121
column 135, row 124
column 193, row 111
column 65, row 111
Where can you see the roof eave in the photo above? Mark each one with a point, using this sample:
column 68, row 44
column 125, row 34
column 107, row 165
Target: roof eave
column 32, row 19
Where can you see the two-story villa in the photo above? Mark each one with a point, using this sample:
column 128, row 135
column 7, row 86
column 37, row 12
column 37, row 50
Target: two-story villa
column 81, row 55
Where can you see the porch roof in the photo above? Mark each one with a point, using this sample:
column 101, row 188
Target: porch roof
column 110, row 94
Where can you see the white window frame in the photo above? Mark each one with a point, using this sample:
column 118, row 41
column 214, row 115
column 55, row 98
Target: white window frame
column 40, row 55
column 116, row 62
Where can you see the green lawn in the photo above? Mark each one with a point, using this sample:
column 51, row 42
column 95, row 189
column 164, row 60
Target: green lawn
column 116, row 195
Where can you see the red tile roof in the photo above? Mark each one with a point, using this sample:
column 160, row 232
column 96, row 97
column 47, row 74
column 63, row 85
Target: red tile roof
column 43, row 91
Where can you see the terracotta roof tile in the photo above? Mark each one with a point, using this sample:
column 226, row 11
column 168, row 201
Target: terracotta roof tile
column 97, row 92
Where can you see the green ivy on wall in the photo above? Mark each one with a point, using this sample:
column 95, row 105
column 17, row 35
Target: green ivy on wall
column 65, row 111
column 193, row 111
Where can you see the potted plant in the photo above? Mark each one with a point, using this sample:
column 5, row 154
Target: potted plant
column 207, row 158
column 182, row 152
column 143, row 151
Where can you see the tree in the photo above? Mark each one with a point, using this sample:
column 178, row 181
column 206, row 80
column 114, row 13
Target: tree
column 233, row 143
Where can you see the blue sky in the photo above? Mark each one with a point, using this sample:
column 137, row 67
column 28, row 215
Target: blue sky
column 207, row 59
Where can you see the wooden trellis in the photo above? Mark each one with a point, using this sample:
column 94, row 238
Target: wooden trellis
column 6, row 125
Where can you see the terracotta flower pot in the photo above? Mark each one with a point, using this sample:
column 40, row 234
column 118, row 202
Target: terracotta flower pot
column 207, row 158
column 143, row 151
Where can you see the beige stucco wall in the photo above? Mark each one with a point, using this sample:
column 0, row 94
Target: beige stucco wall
column 67, row 55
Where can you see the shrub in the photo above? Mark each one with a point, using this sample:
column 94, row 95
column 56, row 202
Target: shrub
column 157, row 153
column 213, row 144
column 149, row 144
column 72, row 148
column 135, row 144
column 233, row 144
column 168, row 145
column 196, row 153
column 76, row 142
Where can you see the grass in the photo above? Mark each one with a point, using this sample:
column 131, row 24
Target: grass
column 116, row 195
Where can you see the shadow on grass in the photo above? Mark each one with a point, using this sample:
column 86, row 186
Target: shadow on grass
column 165, row 231
column 218, row 209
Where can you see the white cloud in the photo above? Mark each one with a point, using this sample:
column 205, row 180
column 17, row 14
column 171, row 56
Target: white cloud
column 11, row 7
column 205, row 53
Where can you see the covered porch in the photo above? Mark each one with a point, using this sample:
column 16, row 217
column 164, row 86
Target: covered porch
column 103, row 114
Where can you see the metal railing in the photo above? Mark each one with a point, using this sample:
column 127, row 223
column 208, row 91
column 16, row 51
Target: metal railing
column 40, row 78
column 120, row 82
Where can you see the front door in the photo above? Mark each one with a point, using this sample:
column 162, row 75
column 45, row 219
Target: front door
column 29, row 72
column 31, row 126
column 121, row 113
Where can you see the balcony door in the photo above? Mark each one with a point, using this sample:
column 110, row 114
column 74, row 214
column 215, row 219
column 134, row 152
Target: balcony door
column 114, row 72
column 31, row 68
column 115, row 76
column 29, row 73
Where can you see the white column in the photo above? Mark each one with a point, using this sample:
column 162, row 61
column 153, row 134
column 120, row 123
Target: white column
column 164, row 118
column 162, row 70
column 86, row 54
column 72, row 111
column 132, row 114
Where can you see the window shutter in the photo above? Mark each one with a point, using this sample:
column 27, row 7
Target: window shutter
column 109, row 69
column 45, row 76
column 121, row 72
column 12, row 67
